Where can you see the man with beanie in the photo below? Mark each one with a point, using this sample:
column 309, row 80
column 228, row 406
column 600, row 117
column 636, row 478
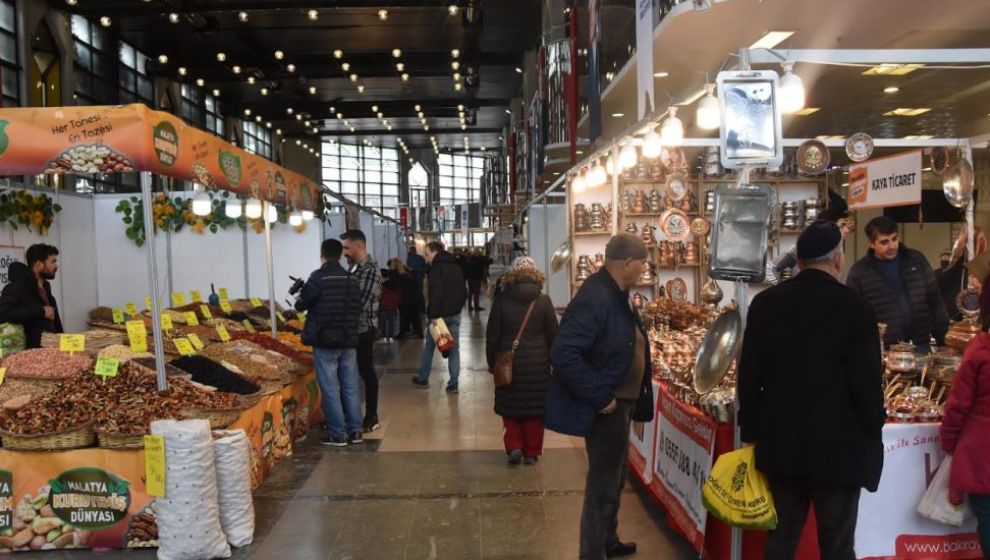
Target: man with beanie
column 817, row 427
column 602, row 382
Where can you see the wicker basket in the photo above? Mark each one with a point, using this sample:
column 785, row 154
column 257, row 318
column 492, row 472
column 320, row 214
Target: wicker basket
column 83, row 436
column 248, row 401
column 46, row 383
column 219, row 419
column 120, row 441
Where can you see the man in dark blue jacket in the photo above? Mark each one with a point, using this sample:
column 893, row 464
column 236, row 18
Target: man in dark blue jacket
column 601, row 382
column 334, row 307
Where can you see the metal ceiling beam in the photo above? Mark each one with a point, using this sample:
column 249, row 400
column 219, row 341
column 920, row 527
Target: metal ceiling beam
column 409, row 132
column 131, row 7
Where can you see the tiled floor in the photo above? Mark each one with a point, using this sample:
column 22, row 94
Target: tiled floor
column 433, row 484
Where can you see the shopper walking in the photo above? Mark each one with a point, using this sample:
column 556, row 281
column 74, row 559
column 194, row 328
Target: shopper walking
column 369, row 279
column 411, row 303
column 330, row 298
column 602, row 381
column 966, row 433
column 447, row 295
column 817, row 430
column 391, row 300
column 522, row 319
column 474, row 272
column 900, row 286
column 27, row 299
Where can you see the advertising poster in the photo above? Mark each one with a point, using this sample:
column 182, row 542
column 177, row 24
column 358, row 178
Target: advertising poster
column 642, row 444
column 888, row 181
column 9, row 254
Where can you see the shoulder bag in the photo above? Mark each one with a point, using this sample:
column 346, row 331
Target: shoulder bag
column 503, row 360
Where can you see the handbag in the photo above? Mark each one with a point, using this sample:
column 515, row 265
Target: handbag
column 503, row 360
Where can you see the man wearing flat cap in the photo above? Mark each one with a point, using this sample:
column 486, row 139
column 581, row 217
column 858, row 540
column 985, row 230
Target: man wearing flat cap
column 601, row 382
column 811, row 397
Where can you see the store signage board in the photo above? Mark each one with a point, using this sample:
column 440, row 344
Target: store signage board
column 642, row 444
column 9, row 254
column 751, row 129
column 888, row 181
column 645, row 100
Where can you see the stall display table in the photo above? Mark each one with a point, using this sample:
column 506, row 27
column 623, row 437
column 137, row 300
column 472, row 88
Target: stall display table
column 669, row 457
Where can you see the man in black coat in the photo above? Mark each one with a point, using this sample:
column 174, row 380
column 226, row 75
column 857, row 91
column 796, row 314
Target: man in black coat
column 900, row 286
column 811, row 397
column 446, row 294
column 27, row 299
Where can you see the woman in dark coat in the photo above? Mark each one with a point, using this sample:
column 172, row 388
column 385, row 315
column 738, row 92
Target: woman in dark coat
column 410, row 316
column 521, row 403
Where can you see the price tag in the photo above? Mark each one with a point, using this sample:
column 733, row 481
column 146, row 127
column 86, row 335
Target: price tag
column 196, row 342
column 205, row 311
column 3, row 375
column 222, row 332
column 225, row 305
column 280, row 316
column 184, row 346
column 154, row 465
column 137, row 335
column 132, row 309
column 224, row 295
column 256, row 302
column 107, row 367
column 167, row 322
column 191, row 319
column 178, row 300
column 72, row 343
column 196, row 296
column 147, row 302
column 249, row 327
column 118, row 316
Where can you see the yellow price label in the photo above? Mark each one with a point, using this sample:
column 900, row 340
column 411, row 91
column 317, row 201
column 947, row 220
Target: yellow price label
column 107, row 367
column 72, row 343
column 132, row 309
column 225, row 305
column 249, row 327
column 118, row 316
column 223, row 334
column 196, row 296
column 147, row 302
column 192, row 319
column 280, row 316
column 3, row 375
column 154, row 465
column 205, row 311
column 167, row 322
column 256, row 302
column 196, row 341
column 223, row 293
column 184, row 346
column 178, row 299
column 137, row 335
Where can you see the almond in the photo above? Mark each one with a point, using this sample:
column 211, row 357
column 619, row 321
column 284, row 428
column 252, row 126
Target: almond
column 38, row 541
column 63, row 541
column 22, row 538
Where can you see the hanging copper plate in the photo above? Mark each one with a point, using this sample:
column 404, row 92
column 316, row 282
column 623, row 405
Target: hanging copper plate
column 813, row 157
column 677, row 289
column 673, row 159
column 675, row 225
column 700, row 227
column 939, row 160
column 677, row 186
column 859, row 147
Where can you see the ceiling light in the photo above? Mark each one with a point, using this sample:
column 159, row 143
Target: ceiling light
column 508, row 111
column 383, row 15
column 458, row 86
column 618, row 115
column 289, row 110
column 829, row 138
column 791, row 90
column 313, row 14
column 216, row 93
column 251, row 80
column 354, row 77
column 236, row 69
column 597, row 175
column 457, row 76
column 360, row 88
column 264, row 91
column 397, row 53
column 257, row 118
column 353, row 129
column 279, row 55
column 233, row 209
column 405, row 77
column 455, row 53
column 338, row 54
column 307, row 124
column 374, row 108
column 312, row 90
column 183, row 71
column 627, row 156
column 291, row 68
column 455, row 65
column 771, row 39
column 298, row 142
column 661, row 74
column 316, row 130
column 807, row 111
column 72, row 2
column 221, row 56
column 333, row 109
column 919, row 137
column 243, row 16
column 381, row 116
column 519, row 70
column 105, row 21
column 463, row 127
column 340, row 115
column 272, row 214
column 672, row 129
column 652, row 144
column 891, row 89
column 452, row 9
column 295, row 219
column 173, row 17
column 268, row 124
column 307, row 215
column 577, row 184
column 907, row 112
column 418, row 107
column 299, row 117
column 252, row 209
column 708, row 115
column 888, row 69
column 278, row 131
column 201, row 204
column 200, row 82
column 247, row 112
column 400, row 66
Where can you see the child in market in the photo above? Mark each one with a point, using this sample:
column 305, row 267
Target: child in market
column 391, row 298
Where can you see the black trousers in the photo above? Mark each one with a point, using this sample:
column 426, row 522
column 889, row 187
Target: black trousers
column 410, row 320
column 366, row 367
column 836, row 509
column 608, row 449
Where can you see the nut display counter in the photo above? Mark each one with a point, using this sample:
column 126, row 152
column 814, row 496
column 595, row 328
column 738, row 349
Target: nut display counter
column 72, row 424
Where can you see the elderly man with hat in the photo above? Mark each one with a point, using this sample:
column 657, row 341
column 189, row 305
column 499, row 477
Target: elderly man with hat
column 601, row 382
column 811, row 397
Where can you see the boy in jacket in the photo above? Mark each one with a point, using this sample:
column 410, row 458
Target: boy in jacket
column 601, row 383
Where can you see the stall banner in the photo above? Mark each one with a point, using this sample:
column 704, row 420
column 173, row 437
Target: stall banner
column 889, row 525
column 888, row 181
column 128, row 138
column 9, row 254
column 642, row 443
column 685, row 444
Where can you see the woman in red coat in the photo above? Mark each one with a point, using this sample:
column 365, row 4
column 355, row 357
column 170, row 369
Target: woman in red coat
column 966, row 433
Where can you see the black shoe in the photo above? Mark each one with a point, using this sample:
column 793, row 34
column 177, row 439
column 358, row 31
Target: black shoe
column 452, row 389
column 479, row 308
column 419, row 383
column 371, row 425
column 530, row 460
column 334, row 441
column 324, row 427
column 355, row 438
column 515, row 456
column 622, row 549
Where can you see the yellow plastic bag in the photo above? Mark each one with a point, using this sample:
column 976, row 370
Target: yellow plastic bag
column 738, row 494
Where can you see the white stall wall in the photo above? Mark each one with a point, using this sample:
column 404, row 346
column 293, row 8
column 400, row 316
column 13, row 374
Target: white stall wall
column 122, row 266
column 546, row 232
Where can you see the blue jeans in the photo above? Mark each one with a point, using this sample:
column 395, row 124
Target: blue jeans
column 390, row 324
column 336, row 370
column 453, row 361
column 980, row 504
